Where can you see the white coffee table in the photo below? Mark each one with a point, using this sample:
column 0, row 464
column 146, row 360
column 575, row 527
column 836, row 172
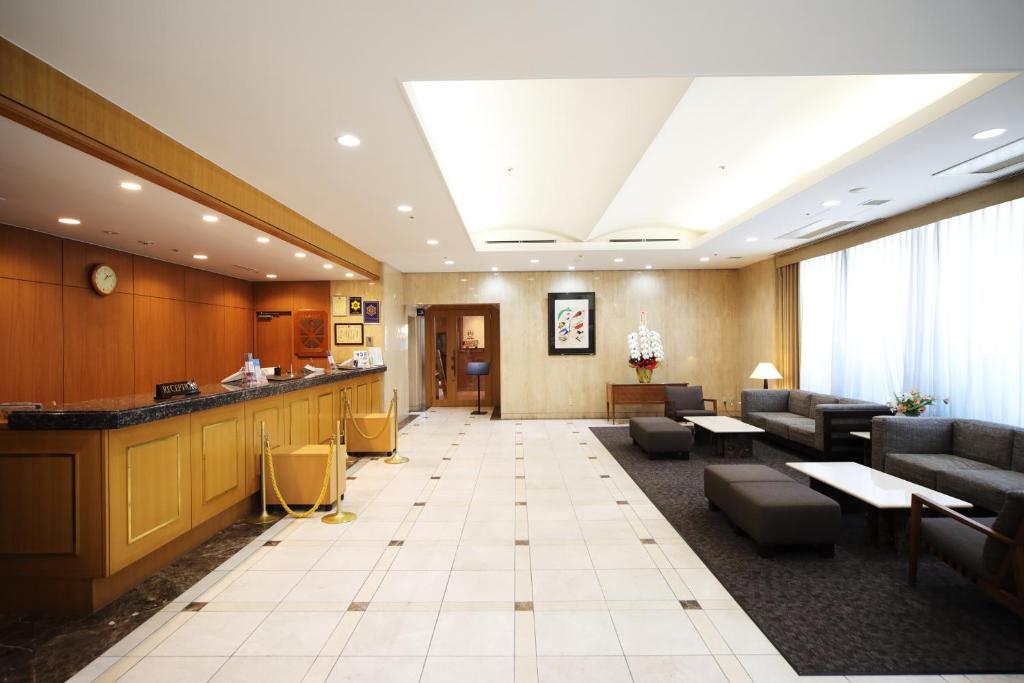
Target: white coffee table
column 885, row 498
column 730, row 437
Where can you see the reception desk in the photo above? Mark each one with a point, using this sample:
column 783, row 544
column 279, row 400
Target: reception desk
column 96, row 496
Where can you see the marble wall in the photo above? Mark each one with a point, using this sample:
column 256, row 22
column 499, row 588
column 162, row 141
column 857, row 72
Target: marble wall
column 710, row 320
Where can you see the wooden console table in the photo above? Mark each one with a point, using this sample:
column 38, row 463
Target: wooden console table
column 635, row 393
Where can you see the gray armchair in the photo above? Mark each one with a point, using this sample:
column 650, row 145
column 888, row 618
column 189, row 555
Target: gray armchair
column 988, row 551
column 683, row 402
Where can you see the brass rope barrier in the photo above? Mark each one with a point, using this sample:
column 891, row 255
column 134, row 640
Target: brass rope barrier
column 269, row 457
column 338, row 516
column 264, row 517
column 395, row 458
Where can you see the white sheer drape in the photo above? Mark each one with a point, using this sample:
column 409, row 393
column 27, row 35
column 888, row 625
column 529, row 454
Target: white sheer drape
column 939, row 308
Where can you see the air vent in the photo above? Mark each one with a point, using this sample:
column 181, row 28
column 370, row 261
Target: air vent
column 999, row 159
column 646, row 239
column 816, row 229
column 245, row 268
column 875, row 202
column 520, row 242
column 733, row 258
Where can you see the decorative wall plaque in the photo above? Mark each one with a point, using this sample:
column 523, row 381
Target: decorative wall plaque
column 310, row 335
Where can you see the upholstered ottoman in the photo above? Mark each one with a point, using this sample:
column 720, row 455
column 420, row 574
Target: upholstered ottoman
column 660, row 435
column 783, row 513
column 718, row 478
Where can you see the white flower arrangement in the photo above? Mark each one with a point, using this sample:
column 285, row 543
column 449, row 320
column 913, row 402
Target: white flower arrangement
column 645, row 347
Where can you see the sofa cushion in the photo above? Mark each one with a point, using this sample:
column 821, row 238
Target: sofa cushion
column 779, row 423
column 986, row 488
column 800, row 402
column 986, row 442
column 924, row 468
column 761, row 419
column 1009, row 519
column 957, row 541
column 802, row 433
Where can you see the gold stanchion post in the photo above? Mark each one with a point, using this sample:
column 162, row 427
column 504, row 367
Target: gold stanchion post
column 395, row 458
column 264, row 517
column 338, row 516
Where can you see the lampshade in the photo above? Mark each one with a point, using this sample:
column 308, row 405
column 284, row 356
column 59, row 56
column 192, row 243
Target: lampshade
column 765, row 371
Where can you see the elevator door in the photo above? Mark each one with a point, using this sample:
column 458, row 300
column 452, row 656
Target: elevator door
column 457, row 336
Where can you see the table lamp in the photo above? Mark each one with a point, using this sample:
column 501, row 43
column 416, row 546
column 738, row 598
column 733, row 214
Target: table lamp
column 765, row 371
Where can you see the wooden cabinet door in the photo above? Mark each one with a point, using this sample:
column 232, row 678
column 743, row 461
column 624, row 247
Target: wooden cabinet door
column 300, row 411
column 148, row 488
column 269, row 412
column 326, row 413
column 218, row 460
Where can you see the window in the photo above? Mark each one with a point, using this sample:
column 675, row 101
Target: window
column 939, row 308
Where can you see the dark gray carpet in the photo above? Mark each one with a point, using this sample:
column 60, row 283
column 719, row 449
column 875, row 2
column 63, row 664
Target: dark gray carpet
column 854, row 614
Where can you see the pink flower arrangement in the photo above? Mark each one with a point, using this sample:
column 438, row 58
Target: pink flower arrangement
column 912, row 403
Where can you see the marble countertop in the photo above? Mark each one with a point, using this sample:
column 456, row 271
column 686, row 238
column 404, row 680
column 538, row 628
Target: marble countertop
column 126, row 411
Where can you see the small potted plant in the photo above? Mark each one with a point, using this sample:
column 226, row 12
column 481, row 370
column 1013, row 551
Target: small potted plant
column 912, row 403
column 645, row 350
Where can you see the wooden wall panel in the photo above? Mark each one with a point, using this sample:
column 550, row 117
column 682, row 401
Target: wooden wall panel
column 159, row 278
column 98, row 349
column 205, row 288
column 31, row 334
column 238, row 336
column 315, row 295
column 274, row 342
column 28, row 255
column 79, row 258
column 272, row 296
column 204, row 343
column 25, row 481
column 159, row 340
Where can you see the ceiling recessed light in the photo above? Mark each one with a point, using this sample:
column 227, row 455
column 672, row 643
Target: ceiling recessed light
column 751, row 239
column 648, row 267
column 830, row 202
column 572, row 267
column 403, row 208
column 149, row 243
column 704, row 259
column 449, row 262
column 210, row 218
column 432, row 243
column 535, row 260
column 463, row 279
column 200, row 257
column 272, row 276
column 350, row 274
column 300, row 254
column 263, row 240
column 328, row 266
column 990, row 133
column 69, row 221
column 494, row 268
column 348, row 140
column 131, row 186
column 618, row 260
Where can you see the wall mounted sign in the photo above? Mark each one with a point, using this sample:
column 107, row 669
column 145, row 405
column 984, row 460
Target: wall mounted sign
column 371, row 312
column 310, row 333
column 188, row 387
column 348, row 334
column 339, row 306
column 571, row 323
column 355, row 305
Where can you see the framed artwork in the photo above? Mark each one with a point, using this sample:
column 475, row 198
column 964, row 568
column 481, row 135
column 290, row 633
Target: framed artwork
column 571, row 324
column 348, row 334
column 310, row 333
column 371, row 312
column 339, row 305
column 355, row 305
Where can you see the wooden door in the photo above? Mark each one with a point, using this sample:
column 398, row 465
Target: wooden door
column 457, row 336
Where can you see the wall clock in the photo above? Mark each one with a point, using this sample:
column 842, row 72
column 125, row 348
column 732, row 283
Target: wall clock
column 103, row 279
column 310, row 334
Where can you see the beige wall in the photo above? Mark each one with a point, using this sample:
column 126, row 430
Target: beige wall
column 710, row 328
column 391, row 335
column 756, row 309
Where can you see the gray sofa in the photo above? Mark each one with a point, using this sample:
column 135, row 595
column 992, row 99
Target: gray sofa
column 817, row 423
column 972, row 460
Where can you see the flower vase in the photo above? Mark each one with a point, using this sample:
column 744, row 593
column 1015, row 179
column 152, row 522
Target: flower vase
column 643, row 375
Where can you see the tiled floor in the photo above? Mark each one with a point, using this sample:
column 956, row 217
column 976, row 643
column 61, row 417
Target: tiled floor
column 503, row 551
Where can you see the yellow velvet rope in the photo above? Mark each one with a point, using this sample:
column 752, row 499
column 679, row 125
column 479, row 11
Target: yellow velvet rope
column 280, row 498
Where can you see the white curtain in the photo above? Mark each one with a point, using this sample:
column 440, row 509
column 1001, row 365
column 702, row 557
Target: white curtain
column 939, row 309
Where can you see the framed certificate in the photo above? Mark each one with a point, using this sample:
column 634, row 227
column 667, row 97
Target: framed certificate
column 348, row 334
column 339, row 305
